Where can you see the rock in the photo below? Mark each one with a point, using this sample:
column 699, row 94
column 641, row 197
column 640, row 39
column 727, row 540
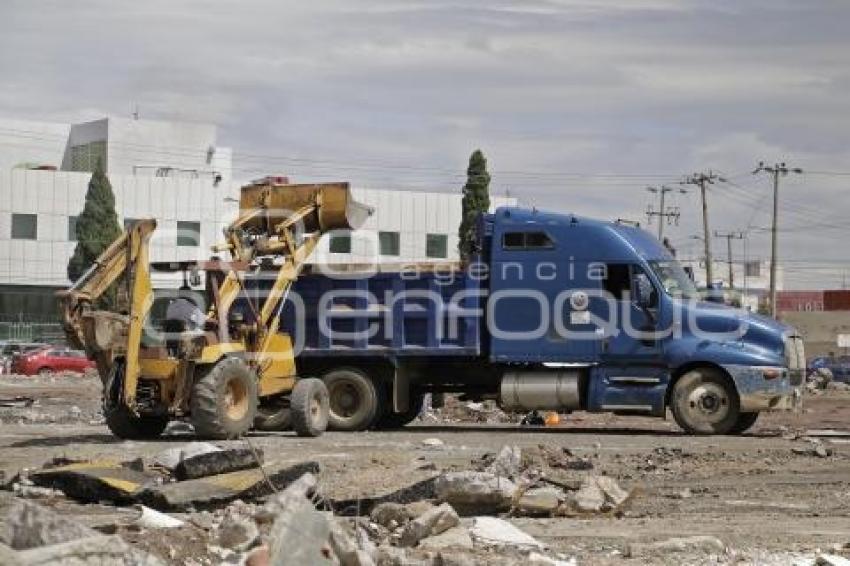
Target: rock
column 27, row 525
column 838, row 386
column 237, row 533
column 88, row 551
column 171, row 457
column 455, row 537
column 600, row 494
column 151, row 519
column 417, row 508
column 385, row 513
column 433, row 443
column 475, row 492
column 704, row 544
column 297, row 493
column 537, row 559
column 433, row 522
column 589, row 498
column 300, row 535
column 8, row 555
column 831, row 560
column 351, row 551
column 494, row 531
column 540, row 501
column 507, row 463
column 614, row 494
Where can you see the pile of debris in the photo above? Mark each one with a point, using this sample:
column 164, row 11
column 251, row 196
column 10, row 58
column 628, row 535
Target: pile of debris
column 275, row 512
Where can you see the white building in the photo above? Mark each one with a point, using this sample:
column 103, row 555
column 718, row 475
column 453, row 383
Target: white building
column 178, row 175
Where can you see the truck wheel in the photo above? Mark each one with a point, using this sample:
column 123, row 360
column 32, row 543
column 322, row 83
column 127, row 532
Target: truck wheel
column 309, row 407
column 353, row 399
column 705, row 402
column 744, row 423
column 224, row 400
column 390, row 419
column 128, row 426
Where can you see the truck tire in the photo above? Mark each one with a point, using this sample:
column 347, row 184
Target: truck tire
column 354, row 401
column 309, row 407
column 273, row 418
column 390, row 419
column 224, row 400
column 744, row 423
column 704, row 401
column 128, row 426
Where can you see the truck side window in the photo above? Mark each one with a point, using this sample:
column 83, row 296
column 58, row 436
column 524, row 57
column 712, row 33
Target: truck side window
column 617, row 280
column 527, row 241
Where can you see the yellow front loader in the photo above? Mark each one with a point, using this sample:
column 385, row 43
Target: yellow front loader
column 236, row 363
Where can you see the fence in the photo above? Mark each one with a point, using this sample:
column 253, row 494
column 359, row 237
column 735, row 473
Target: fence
column 50, row 332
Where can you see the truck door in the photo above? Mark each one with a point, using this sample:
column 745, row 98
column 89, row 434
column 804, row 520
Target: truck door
column 630, row 342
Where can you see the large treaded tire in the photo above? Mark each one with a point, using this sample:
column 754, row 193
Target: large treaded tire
column 127, row 426
column 224, row 400
column 273, row 419
column 704, row 401
column 390, row 419
column 309, row 407
column 354, row 400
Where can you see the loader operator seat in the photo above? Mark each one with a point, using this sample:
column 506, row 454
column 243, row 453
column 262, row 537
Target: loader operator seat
column 184, row 321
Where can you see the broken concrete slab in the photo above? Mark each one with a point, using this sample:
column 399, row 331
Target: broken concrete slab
column 507, row 462
column 701, row 543
column 212, row 490
column 540, row 501
column 475, row 492
column 296, row 493
column 28, row 525
column 390, row 514
column 831, row 560
column 600, row 494
column 99, row 480
column 351, row 550
column 152, row 519
column 433, row 522
column 217, row 462
column 498, row 532
column 237, row 533
column 300, row 535
column 89, row 551
column 170, row 457
column 456, row 537
column 418, row 491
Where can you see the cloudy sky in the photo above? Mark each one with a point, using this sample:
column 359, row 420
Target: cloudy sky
column 578, row 104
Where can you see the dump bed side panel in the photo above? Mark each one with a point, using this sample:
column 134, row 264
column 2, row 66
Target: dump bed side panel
column 388, row 314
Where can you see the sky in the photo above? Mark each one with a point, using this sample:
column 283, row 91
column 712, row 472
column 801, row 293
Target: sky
column 579, row 105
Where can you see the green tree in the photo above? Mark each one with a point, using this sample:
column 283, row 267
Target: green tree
column 476, row 199
column 97, row 228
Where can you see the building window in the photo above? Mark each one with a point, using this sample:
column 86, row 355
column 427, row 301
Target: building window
column 527, row 241
column 72, row 228
column 24, row 226
column 188, row 234
column 752, row 269
column 85, row 157
column 389, row 243
column 340, row 243
column 436, row 245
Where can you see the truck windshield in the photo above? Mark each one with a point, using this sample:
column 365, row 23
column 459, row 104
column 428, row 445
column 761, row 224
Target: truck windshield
column 674, row 279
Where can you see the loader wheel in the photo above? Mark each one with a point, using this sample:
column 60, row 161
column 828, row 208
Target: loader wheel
column 744, row 423
column 309, row 407
column 128, row 426
column 224, row 400
column 705, row 402
column 390, row 419
column 353, row 399
column 273, row 417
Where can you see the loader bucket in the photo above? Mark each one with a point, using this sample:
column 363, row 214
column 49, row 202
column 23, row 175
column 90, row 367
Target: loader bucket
column 335, row 210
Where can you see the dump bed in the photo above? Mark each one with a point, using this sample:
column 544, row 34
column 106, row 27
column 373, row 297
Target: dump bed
column 388, row 314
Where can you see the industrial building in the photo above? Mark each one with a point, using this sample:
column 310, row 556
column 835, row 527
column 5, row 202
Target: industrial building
column 177, row 174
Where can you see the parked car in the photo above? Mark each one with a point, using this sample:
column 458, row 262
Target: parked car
column 839, row 366
column 49, row 360
column 11, row 348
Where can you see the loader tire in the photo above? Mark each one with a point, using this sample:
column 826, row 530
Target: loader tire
column 704, row 401
column 224, row 400
column 127, row 426
column 309, row 407
column 354, row 400
column 273, row 418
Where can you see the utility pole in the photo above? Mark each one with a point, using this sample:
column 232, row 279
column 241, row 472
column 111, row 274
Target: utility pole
column 729, row 237
column 777, row 170
column 701, row 180
column 671, row 214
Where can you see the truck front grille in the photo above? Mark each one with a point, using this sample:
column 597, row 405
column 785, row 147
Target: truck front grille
column 795, row 358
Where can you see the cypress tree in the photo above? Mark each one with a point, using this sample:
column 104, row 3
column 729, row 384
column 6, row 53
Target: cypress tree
column 97, row 228
column 476, row 199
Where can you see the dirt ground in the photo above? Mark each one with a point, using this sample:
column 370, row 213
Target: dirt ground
column 768, row 502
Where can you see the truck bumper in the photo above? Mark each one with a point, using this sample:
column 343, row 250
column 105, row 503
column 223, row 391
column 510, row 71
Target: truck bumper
column 759, row 393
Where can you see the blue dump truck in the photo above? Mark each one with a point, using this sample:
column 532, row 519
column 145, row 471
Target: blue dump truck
column 555, row 312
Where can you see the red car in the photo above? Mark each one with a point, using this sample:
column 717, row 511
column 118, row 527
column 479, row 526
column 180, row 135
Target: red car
column 48, row 360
